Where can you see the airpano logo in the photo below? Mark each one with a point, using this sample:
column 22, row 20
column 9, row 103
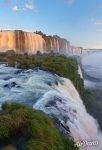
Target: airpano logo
column 86, row 143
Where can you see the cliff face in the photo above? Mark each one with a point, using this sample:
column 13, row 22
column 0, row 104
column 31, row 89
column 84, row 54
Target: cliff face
column 21, row 42
column 27, row 42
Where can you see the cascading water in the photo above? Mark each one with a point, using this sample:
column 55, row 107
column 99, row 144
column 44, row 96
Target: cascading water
column 21, row 42
column 7, row 40
column 80, row 72
column 30, row 42
column 52, row 94
column 68, row 107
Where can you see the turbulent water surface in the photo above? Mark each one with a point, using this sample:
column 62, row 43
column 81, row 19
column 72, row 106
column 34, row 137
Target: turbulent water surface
column 52, row 94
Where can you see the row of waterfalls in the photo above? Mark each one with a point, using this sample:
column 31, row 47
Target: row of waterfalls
column 31, row 43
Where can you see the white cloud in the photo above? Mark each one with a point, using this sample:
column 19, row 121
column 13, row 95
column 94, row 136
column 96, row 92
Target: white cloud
column 98, row 23
column 25, row 7
column 29, row 6
column 15, row 8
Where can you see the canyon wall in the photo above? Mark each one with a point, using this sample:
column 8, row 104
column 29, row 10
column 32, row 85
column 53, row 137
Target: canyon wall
column 21, row 42
column 29, row 42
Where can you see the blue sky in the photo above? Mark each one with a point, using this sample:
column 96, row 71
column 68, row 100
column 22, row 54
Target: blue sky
column 79, row 21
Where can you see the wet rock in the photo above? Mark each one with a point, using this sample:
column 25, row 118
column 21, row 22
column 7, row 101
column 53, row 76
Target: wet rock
column 56, row 98
column 18, row 71
column 18, row 86
column 6, row 78
column 6, row 85
column 12, row 84
column 61, row 126
column 56, row 83
column 49, row 83
column 53, row 102
column 36, row 69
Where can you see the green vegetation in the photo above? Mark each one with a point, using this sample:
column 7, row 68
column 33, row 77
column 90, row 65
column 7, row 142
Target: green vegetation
column 87, row 98
column 9, row 147
column 35, row 127
column 58, row 64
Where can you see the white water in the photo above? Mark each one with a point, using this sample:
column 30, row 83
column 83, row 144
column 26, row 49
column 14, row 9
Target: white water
column 52, row 94
column 30, row 42
column 80, row 72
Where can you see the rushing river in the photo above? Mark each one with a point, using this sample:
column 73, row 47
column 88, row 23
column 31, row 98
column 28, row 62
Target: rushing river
column 53, row 95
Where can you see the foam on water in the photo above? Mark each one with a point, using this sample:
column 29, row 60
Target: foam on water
column 52, row 94
column 81, row 124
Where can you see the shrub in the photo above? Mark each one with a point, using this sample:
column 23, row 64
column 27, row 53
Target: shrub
column 39, row 145
column 9, row 147
column 69, row 144
column 35, row 127
column 5, row 126
column 36, row 145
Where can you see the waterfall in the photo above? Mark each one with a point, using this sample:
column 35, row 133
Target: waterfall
column 53, row 95
column 70, row 110
column 80, row 72
column 21, row 42
column 30, row 43
column 7, row 41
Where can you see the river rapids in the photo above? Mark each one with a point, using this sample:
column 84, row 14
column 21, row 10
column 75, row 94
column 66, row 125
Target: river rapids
column 53, row 95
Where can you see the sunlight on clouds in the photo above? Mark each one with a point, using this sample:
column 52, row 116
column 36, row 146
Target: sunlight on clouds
column 26, row 5
column 29, row 6
column 98, row 23
column 15, row 9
